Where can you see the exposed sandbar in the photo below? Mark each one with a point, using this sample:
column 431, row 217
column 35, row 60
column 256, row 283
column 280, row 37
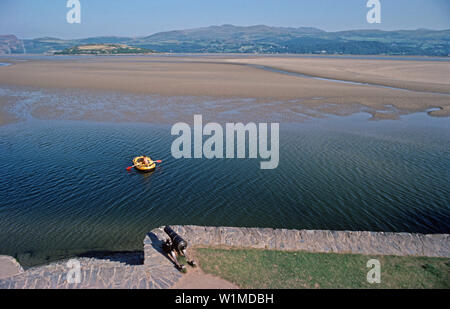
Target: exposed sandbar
column 427, row 76
column 224, row 77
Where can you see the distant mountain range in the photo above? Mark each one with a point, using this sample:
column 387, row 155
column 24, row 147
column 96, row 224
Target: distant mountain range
column 10, row 44
column 258, row 39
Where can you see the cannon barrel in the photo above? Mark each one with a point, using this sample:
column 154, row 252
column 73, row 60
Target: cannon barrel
column 179, row 243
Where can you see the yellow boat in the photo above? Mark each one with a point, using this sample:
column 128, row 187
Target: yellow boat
column 139, row 164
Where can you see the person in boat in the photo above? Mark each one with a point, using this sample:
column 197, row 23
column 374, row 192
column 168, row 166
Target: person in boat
column 146, row 160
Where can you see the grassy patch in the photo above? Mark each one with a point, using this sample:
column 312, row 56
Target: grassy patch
column 182, row 260
column 254, row 268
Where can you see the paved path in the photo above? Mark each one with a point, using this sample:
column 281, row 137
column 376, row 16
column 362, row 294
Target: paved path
column 197, row 279
column 111, row 272
column 9, row 267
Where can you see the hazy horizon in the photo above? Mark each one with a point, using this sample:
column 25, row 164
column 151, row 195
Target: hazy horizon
column 28, row 19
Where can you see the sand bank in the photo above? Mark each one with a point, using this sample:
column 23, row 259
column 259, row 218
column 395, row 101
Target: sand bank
column 424, row 76
column 229, row 78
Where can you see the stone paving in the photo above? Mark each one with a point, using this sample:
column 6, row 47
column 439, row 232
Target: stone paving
column 9, row 266
column 367, row 243
column 107, row 272
column 156, row 271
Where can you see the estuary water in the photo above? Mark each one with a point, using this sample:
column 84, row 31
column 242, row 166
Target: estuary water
column 64, row 188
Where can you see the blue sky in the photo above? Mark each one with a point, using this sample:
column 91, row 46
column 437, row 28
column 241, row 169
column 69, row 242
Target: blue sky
column 37, row 18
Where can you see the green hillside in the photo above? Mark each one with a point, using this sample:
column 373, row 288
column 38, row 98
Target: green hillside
column 256, row 39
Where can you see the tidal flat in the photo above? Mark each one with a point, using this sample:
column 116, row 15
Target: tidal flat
column 424, row 85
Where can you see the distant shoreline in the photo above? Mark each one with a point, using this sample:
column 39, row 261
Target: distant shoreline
column 260, row 39
column 249, row 55
column 104, row 49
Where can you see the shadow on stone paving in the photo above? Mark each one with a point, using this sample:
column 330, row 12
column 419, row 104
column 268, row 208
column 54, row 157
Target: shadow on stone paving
column 126, row 257
column 157, row 245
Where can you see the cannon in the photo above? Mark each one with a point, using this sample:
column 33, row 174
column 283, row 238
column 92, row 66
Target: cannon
column 176, row 245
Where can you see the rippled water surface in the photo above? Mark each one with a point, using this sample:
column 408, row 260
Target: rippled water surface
column 64, row 188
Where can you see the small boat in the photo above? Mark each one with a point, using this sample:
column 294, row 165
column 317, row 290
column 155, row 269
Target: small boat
column 139, row 164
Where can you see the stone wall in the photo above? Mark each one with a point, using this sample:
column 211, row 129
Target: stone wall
column 367, row 243
column 123, row 271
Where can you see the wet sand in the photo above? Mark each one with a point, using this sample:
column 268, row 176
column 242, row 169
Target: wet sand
column 5, row 116
column 229, row 77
